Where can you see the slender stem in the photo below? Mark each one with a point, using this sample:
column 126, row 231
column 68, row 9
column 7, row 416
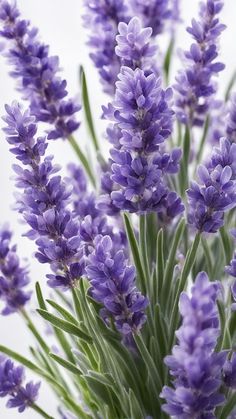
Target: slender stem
column 82, row 158
column 41, row 411
column 190, row 259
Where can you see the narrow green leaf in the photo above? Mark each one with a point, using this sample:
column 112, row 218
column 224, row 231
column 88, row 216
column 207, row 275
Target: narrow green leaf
column 66, row 364
column 65, row 325
column 103, row 392
column 87, row 108
column 135, row 253
column 171, row 262
column 21, row 359
column 228, row 407
column 65, row 313
column 230, row 86
column 226, row 245
column 159, row 264
column 151, row 367
column 40, row 298
column 83, row 159
column 185, row 162
column 135, row 408
column 190, row 259
column 168, row 57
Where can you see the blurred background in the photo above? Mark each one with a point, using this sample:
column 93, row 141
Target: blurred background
column 60, row 26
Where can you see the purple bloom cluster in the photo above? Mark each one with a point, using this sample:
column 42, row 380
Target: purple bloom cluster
column 142, row 121
column 105, row 15
column 13, row 277
column 215, row 194
column 195, row 367
column 153, row 13
column 112, row 281
column 134, row 47
column 142, row 113
column 196, row 83
column 37, row 73
column 44, row 200
column 11, row 384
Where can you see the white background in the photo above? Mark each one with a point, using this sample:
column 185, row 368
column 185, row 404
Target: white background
column 60, row 26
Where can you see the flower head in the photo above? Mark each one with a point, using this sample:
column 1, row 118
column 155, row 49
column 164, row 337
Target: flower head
column 153, row 13
column 196, row 83
column 12, row 385
column 195, row 367
column 44, row 201
column 37, row 73
column 113, row 285
column 13, row 277
column 215, row 193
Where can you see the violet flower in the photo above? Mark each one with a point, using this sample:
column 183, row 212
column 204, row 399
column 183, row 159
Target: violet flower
column 142, row 121
column 215, row 193
column 13, row 277
column 153, row 13
column 105, row 15
column 113, row 285
column 12, row 385
column 196, row 82
column 195, row 367
column 37, row 73
column 44, row 200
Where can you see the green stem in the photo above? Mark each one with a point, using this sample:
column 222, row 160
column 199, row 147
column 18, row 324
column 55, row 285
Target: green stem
column 82, row 158
column 190, row 259
column 41, row 412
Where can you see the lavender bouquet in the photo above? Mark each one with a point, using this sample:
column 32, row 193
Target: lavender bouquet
column 139, row 244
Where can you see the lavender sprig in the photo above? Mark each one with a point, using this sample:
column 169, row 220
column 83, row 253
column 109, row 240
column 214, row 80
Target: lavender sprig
column 12, row 385
column 112, row 281
column 13, row 277
column 153, row 13
column 37, row 73
column 196, row 83
column 215, row 193
column 44, row 200
column 142, row 122
column 195, row 367
column 105, row 15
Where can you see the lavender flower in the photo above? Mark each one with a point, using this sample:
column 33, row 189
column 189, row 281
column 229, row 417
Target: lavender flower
column 37, row 74
column 13, row 277
column 141, row 111
column 231, row 120
column 11, row 384
column 196, row 83
column 209, row 200
column 195, row 367
column 44, row 200
column 153, row 13
column 112, row 282
column 134, row 47
column 105, row 15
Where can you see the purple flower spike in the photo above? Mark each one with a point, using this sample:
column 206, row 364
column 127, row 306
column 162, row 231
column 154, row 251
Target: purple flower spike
column 37, row 73
column 195, row 367
column 13, row 277
column 11, row 384
column 113, row 285
column 44, row 200
column 133, row 45
column 153, row 13
column 215, row 193
column 196, row 83
column 105, row 15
